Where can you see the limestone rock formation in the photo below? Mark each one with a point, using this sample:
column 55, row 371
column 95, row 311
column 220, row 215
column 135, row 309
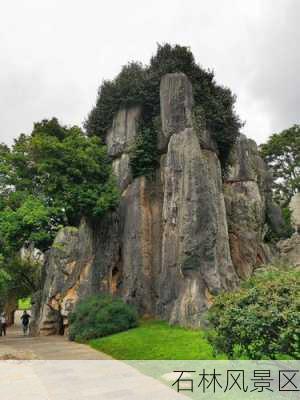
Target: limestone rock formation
column 67, row 272
column 195, row 260
column 295, row 210
column 290, row 248
column 172, row 243
column 119, row 140
column 123, row 131
column 246, row 194
column 176, row 102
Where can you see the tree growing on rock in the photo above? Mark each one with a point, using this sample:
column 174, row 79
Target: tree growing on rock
column 139, row 85
column 49, row 178
column 53, row 177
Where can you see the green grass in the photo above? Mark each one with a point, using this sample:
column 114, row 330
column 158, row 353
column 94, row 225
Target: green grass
column 156, row 340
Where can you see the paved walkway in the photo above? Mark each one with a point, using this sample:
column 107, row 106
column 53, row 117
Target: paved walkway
column 29, row 373
column 16, row 346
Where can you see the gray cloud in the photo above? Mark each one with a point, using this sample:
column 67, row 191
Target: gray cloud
column 55, row 53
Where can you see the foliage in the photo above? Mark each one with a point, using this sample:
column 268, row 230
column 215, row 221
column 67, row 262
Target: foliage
column 124, row 91
column 139, row 85
column 282, row 154
column 33, row 221
column 261, row 320
column 24, row 304
column 156, row 340
column 19, row 278
column 4, row 279
column 216, row 101
column 99, row 316
column 278, row 223
column 143, row 159
column 51, row 178
column 287, row 217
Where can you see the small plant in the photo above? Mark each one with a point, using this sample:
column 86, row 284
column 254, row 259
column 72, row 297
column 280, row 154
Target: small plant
column 101, row 315
column 261, row 320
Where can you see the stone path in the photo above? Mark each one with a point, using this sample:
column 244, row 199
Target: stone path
column 16, row 346
column 79, row 380
column 51, row 368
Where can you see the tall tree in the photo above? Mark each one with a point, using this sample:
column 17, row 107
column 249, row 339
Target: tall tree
column 282, row 154
column 60, row 166
column 49, row 178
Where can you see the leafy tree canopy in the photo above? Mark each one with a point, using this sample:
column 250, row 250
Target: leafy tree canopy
column 18, row 278
column 139, row 85
column 49, row 178
column 282, row 154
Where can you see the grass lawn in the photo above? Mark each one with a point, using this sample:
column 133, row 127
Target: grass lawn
column 156, row 340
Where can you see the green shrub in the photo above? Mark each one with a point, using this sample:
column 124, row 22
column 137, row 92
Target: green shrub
column 261, row 320
column 143, row 155
column 101, row 315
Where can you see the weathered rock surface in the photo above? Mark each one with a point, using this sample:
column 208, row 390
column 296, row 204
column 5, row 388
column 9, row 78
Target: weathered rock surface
column 140, row 233
column 247, row 164
column 122, row 171
column 192, row 266
column 121, row 136
column 246, row 195
column 290, row 250
column 295, row 210
column 176, row 102
column 67, row 277
column 172, row 243
column 119, row 141
column 207, row 141
column 195, row 261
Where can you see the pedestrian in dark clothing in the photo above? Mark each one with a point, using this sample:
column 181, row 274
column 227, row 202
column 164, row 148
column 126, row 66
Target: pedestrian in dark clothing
column 3, row 325
column 25, row 322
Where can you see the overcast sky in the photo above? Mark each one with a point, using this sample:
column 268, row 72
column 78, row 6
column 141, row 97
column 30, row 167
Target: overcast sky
column 55, row 53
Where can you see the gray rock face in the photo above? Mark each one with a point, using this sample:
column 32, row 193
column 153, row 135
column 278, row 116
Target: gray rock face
column 290, row 250
column 207, row 142
column 246, row 195
column 176, row 102
column 192, row 267
column 245, row 211
column 122, row 171
column 121, row 136
column 67, row 277
column 172, row 243
column 140, row 213
column 119, row 140
column 247, row 163
column 295, row 210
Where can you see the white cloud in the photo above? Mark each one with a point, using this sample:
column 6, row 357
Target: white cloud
column 54, row 54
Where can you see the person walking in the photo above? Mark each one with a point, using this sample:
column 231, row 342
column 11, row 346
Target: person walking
column 3, row 324
column 25, row 322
